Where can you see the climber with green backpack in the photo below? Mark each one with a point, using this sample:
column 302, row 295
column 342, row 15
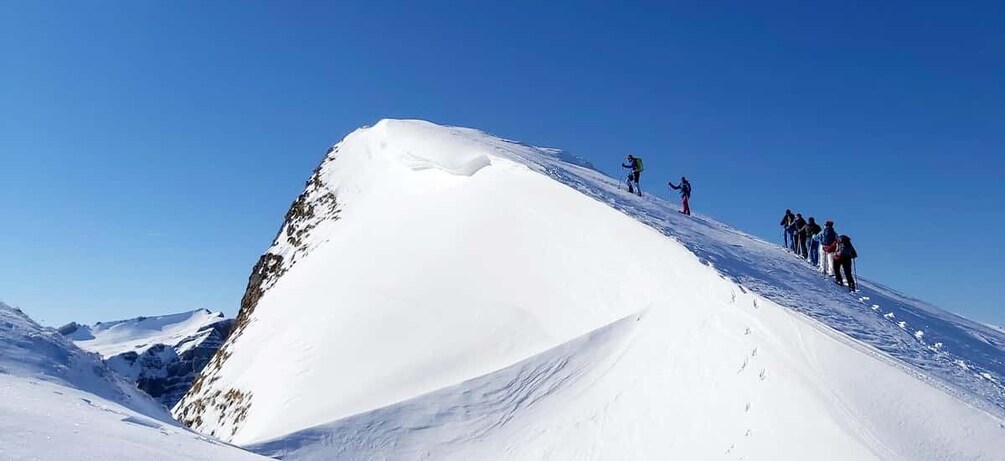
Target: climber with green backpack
column 635, row 164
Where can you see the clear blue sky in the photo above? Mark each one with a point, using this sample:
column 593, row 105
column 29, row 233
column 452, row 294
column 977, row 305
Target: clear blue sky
column 149, row 150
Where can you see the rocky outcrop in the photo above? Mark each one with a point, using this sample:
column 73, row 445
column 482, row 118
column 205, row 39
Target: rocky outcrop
column 317, row 205
column 167, row 375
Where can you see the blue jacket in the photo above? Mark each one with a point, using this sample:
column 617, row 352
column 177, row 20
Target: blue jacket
column 828, row 236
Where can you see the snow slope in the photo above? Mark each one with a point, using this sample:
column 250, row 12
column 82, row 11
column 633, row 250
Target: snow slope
column 58, row 402
column 161, row 354
column 439, row 292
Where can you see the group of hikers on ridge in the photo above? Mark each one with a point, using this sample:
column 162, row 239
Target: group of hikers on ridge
column 823, row 247
column 634, row 164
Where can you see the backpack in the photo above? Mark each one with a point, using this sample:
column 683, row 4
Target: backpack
column 828, row 237
column 687, row 188
column 638, row 164
column 845, row 250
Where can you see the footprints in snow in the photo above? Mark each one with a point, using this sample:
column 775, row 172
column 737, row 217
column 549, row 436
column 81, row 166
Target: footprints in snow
column 747, row 359
column 732, row 298
column 918, row 334
column 761, row 376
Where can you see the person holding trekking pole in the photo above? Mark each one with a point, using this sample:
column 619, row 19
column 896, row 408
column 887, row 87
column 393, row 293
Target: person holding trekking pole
column 635, row 165
column 828, row 245
column 685, row 194
column 844, row 260
column 787, row 221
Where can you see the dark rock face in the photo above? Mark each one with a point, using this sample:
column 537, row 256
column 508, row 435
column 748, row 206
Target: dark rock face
column 166, row 375
column 68, row 329
column 317, row 205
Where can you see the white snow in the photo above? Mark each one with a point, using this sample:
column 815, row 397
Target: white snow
column 479, row 298
column 137, row 335
column 42, row 420
column 444, row 150
column 42, row 354
column 58, row 402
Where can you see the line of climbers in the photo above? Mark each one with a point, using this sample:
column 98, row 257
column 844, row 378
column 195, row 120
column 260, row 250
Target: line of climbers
column 823, row 247
column 804, row 238
column 634, row 164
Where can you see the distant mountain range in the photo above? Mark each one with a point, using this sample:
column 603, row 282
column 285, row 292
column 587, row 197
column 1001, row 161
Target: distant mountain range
column 161, row 354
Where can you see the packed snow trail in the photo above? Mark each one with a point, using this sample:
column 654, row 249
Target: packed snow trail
column 432, row 294
column 60, row 403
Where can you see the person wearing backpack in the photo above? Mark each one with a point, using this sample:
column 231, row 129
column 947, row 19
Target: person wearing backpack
column 843, row 257
column 812, row 231
column 799, row 235
column 635, row 164
column 685, row 194
column 793, row 230
column 786, row 222
column 828, row 244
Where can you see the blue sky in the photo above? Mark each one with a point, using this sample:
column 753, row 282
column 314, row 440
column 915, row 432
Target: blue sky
column 148, row 150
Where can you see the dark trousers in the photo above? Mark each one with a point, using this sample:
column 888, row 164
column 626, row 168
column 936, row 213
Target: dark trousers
column 687, row 208
column 844, row 264
column 814, row 248
column 801, row 239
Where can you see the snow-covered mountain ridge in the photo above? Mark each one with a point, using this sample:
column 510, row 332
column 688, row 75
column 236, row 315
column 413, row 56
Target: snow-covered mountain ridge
column 437, row 291
column 58, row 402
column 161, row 354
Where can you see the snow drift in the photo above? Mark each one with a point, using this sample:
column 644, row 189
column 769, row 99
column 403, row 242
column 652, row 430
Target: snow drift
column 58, row 402
column 440, row 292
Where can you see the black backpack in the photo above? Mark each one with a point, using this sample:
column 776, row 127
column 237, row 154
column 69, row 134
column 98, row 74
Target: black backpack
column 845, row 249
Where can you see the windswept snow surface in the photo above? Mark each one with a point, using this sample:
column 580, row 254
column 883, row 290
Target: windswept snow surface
column 58, row 402
column 478, row 297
